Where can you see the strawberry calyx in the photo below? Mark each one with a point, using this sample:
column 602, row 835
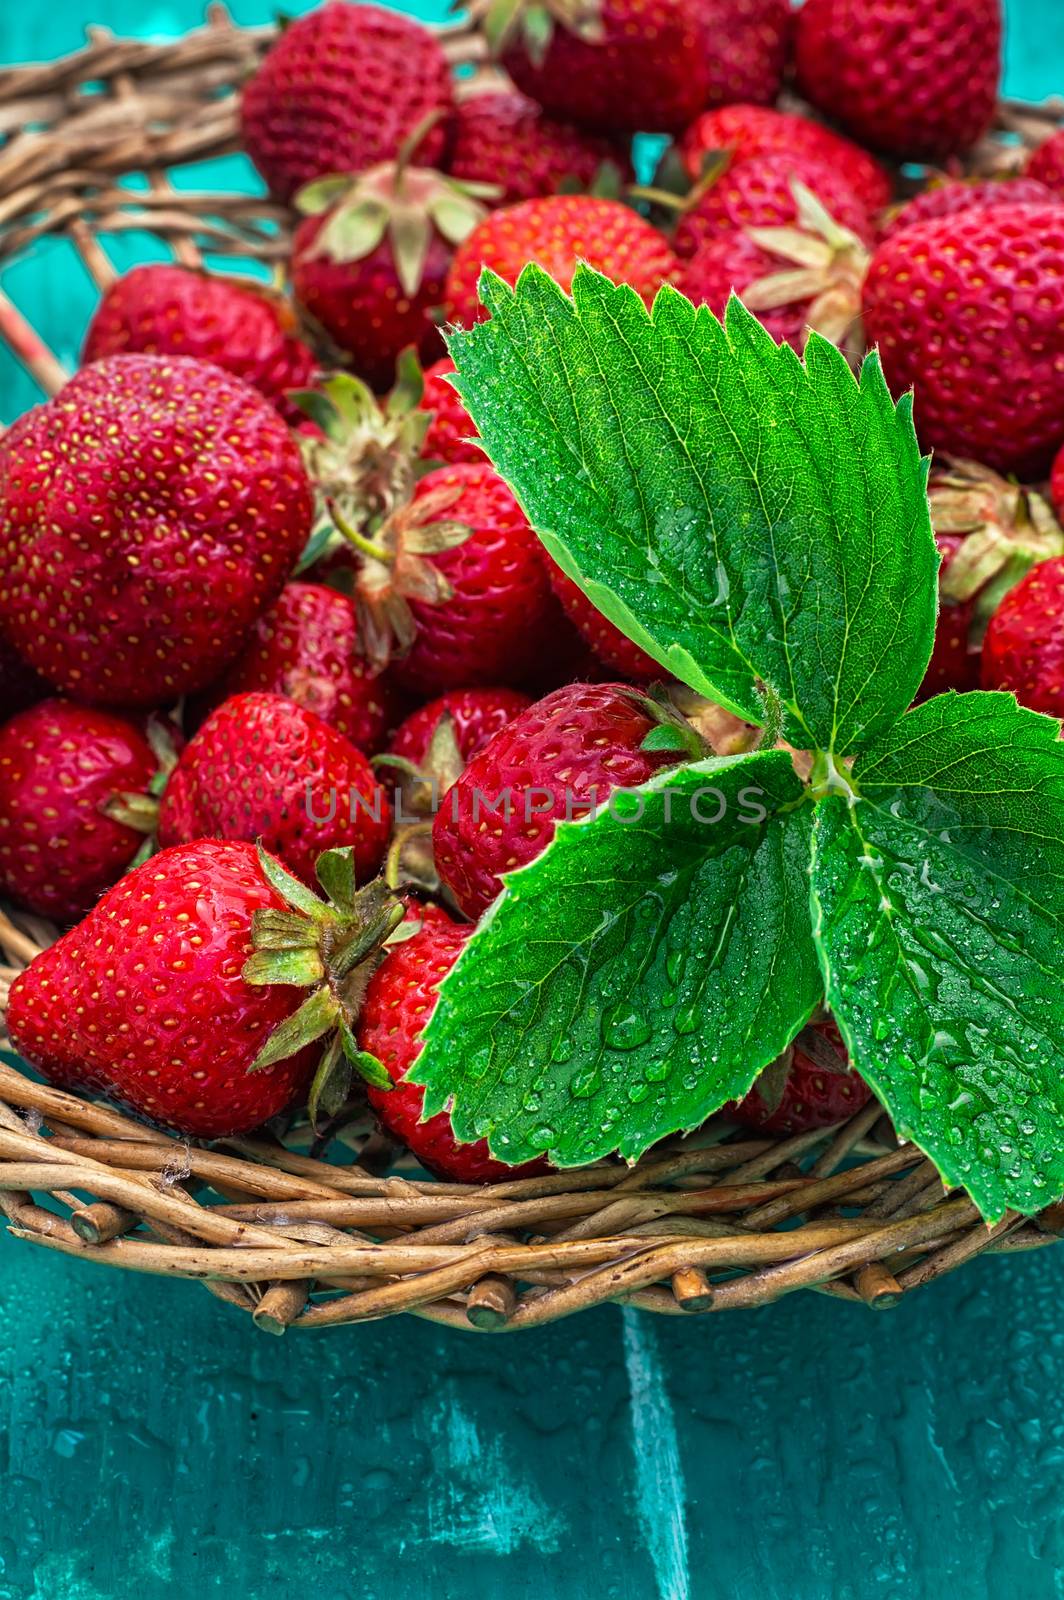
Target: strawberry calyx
column 140, row 811
column 827, row 265
column 1007, row 529
column 330, row 946
column 531, row 23
column 421, row 787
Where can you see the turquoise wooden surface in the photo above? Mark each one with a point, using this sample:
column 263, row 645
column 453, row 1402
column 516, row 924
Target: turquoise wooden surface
column 153, row 1447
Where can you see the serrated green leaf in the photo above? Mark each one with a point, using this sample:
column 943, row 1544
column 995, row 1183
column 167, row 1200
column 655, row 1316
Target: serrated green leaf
column 744, row 518
column 315, row 1017
column 939, row 896
column 636, row 975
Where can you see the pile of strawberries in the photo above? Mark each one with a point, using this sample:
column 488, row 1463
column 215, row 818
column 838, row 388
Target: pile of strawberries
column 274, row 635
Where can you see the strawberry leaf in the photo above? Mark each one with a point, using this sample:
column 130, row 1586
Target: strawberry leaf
column 582, row 1022
column 745, row 518
column 939, row 894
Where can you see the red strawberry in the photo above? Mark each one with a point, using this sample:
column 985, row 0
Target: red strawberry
column 340, row 91
column 811, row 1086
column 963, row 194
column 307, row 648
column 954, row 660
column 262, row 767
column 1056, row 482
column 167, row 997
column 1024, row 646
column 394, row 1015
column 610, row 646
column 505, row 139
column 759, row 193
column 627, row 66
column 555, row 761
column 60, row 766
column 451, row 428
column 557, row 232
column 476, row 716
column 969, row 311
column 1046, row 164
column 20, row 686
column 745, row 131
column 166, row 310
column 915, row 80
column 148, row 514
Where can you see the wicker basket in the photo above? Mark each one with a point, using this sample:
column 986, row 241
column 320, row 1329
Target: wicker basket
column 713, row 1222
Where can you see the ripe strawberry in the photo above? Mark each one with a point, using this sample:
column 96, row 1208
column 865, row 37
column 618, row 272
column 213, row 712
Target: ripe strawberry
column 610, row 646
column 969, row 311
column 915, row 80
column 476, row 715
column 394, row 1015
column 20, row 686
column 954, row 195
column 557, row 760
column 810, row 1086
column 60, row 767
column 240, row 326
column 623, row 66
column 1046, row 164
column 759, row 193
column 744, row 131
column 1024, row 646
column 557, row 232
column 451, row 428
column 505, row 139
column 1056, row 483
column 339, row 92
column 954, row 660
column 148, row 514
column 262, row 767
column 180, row 995
column 306, row 647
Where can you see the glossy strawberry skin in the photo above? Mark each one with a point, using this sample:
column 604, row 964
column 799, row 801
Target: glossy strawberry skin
column 451, row 428
column 732, row 261
column 969, row 311
column 504, row 138
column 756, row 193
column 557, row 232
column 1046, row 164
column 501, row 614
column 954, row 664
column 1024, row 646
column 306, row 647
column 476, row 716
column 956, row 195
column 340, row 91
column 263, row 768
column 144, row 1001
column 912, row 79
column 747, row 130
column 659, row 63
column 813, row 1097
column 609, row 645
column 361, row 304
column 59, row 764
column 573, row 747
column 148, row 514
column 394, row 1015
column 167, row 310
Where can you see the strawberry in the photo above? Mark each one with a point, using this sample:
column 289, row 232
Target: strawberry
column 505, row 139
column 1056, row 482
column 262, row 767
column 954, row 660
column 1045, row 165
column 20, row 686
column 916, row 80
column 339, row 92
column 609, row 645
column 180, row 995
column 760, row 193
column 394, row 1015
column 622, row 65
column 452, row 428
column 62, row 767
column 1024, row 646
column 969, row 311
column 476, row 715
column 557, row 760
column 306, row 647
column 810, row 1086
column 953, row 195
column 557, row 232
column 148, row 514
column 744, row 130
column 240, row 326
